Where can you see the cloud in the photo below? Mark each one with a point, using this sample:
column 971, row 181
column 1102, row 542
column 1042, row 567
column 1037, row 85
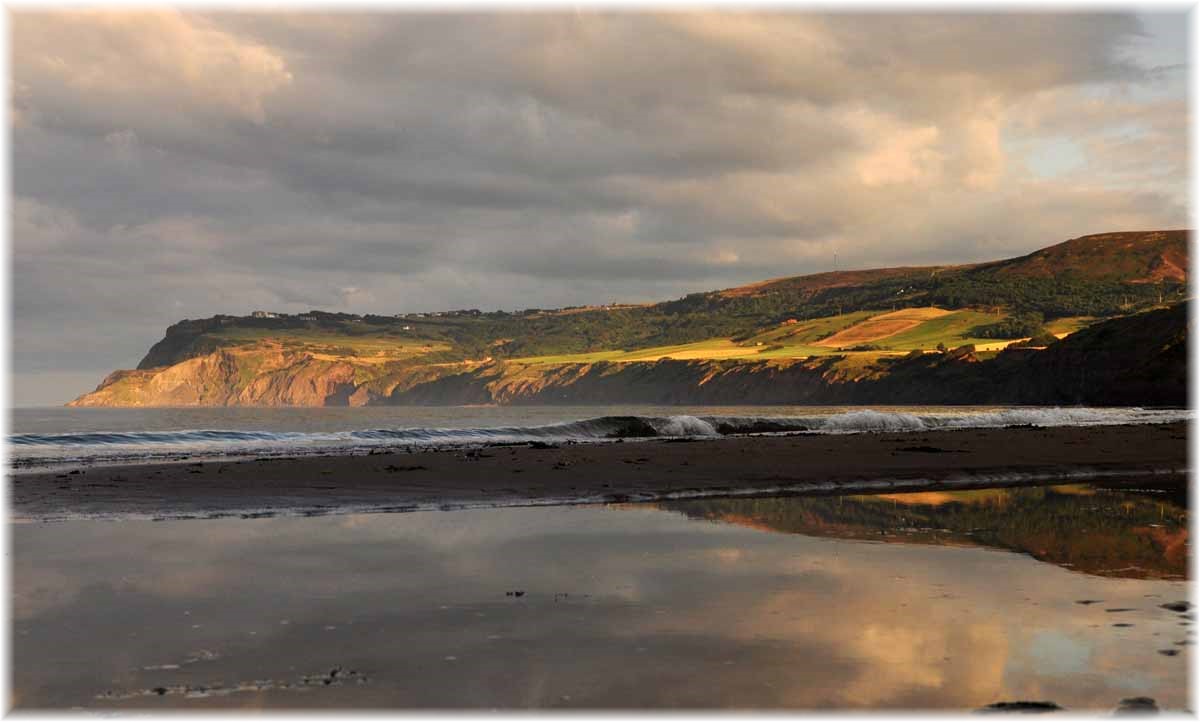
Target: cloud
column 101, row 66
column 218, row 162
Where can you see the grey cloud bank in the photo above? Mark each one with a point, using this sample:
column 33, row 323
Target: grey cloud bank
column 170, row 165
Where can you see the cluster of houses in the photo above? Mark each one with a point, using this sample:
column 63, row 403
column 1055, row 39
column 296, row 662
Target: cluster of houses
column 472, row 312
column 462, row 313
column 317, row 315
column 353, row 318
column 272, row 314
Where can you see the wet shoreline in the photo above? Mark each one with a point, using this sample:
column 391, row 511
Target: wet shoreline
column 651, row 470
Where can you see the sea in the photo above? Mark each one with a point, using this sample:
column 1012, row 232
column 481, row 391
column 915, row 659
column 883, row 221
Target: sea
column 45, row 438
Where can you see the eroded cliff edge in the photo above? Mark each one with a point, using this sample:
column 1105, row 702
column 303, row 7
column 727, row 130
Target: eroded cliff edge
column 1135, row 360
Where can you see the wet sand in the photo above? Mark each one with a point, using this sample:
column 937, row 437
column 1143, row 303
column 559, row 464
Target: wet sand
column 405, row 480
column 712, row 604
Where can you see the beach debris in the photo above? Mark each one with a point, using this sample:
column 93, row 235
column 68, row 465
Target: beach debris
column 1121, row 609
column 1023, row 706
column 1176, row 606
column 1088, row 601
column 1137, row 705
column 202, row 655
column 1168, row 652
column 1122, row 624
column 515, row 593
column 337, row 676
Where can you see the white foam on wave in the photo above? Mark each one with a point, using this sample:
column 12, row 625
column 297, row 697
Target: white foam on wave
column 868, row 420
column 1067, row 417
column 687, row 426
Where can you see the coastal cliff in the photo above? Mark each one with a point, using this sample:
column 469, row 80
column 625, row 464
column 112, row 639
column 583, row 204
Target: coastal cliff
column 1134, row 360
column 1099, row 319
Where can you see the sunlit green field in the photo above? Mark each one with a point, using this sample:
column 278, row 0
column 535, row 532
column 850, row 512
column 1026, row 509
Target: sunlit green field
column 1061, row 326
column 807, row 332
column 799, row 340
column 785, row 341
column 325, row 342
column 951, row 330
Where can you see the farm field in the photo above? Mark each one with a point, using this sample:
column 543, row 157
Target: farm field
column 951, row 329
column 1065, row 326
column 895, row 332
column 371, row 346
column 883, row 326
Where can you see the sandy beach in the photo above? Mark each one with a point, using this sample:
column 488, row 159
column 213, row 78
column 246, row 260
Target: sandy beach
column 406, row 480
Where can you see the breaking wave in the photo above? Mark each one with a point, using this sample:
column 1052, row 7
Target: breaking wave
column 28, row 450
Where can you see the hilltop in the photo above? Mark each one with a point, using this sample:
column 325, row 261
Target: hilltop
column 842, row 326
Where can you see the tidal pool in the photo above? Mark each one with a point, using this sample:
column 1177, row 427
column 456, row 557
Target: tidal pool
column 905, row 601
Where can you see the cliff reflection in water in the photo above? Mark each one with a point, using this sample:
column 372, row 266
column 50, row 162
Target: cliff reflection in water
column 1130, row 530
column 615, row 607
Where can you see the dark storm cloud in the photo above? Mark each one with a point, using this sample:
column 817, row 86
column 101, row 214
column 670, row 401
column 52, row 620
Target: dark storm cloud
column 170, row 165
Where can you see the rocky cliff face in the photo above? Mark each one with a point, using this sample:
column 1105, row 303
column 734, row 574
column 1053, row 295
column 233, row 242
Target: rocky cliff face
column 1139, row 360
column 262, row 376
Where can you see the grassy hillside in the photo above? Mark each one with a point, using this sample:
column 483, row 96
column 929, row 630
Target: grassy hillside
column 1063, row 287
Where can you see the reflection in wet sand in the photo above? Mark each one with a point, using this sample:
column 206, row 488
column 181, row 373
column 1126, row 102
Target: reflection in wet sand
column 628, row 607
column 1141, row 533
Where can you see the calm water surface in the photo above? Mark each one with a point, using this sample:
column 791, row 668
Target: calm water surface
column 936, row 600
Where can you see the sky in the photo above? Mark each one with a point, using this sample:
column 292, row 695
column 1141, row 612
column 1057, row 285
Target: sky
column 178, row 164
